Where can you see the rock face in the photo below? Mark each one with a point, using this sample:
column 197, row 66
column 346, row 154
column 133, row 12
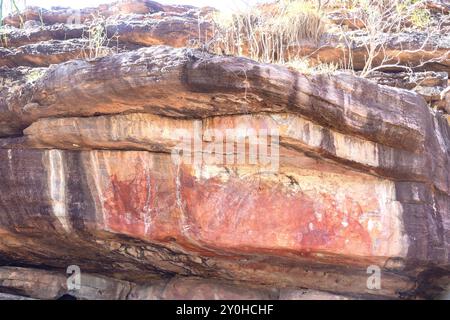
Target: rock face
column 432, row 86
column 411, row 49
column 356, row 176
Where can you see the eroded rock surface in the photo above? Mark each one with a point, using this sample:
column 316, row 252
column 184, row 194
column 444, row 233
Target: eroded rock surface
column 90, row 175
column 431, row 85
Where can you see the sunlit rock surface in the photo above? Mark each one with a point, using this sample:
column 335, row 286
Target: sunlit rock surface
column 357, row 174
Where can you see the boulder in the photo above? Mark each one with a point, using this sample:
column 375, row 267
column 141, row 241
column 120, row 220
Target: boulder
column 168, row 172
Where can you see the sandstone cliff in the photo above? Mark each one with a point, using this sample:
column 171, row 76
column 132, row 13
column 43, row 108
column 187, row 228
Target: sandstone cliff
column 88, row 175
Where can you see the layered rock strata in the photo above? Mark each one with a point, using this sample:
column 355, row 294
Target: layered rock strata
column 356, row 176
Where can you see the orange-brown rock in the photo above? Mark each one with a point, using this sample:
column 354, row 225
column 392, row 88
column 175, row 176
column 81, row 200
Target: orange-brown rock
column 206, row 214
column 27, row 283
column 432, row 86
column 240, row 86
column 65, row 15
column 44, row 46
column 44, row 54
column 356, row 175
column 407, row 49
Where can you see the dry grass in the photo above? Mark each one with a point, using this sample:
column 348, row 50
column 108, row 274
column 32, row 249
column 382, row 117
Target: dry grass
column 268, row 33
column 304, row 66
column 276, row 32
column 379, row 19
column 97, row 39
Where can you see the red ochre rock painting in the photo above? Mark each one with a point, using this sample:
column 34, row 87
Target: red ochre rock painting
column 240, row 215
column 142, row 206
column 250, row 214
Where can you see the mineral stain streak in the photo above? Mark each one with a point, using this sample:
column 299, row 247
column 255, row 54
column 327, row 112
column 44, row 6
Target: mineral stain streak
column 57, row 186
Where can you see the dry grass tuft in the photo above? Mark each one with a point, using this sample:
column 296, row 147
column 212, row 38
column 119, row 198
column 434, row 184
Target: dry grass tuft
column 284, row 31
column 304, row 66
column 97, row 39
column 270, row 32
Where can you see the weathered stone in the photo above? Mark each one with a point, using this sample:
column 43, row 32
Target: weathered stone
column 90, row 178
column 16, row 37
column 134, row 131
column 43, row 284
column 201, row 289
column 44, row 54
column 159, row 134
column 68, row 15
column 445, row 98
column 193, row 214
column 346, row 18
column 440, row 6
column 289, row 294
column 411, row 81
column 192, row 217
column 411, row 49
column 32, row 283
column 239, row 85
column 430, row 85
column 171, row 30
column 5, row 296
